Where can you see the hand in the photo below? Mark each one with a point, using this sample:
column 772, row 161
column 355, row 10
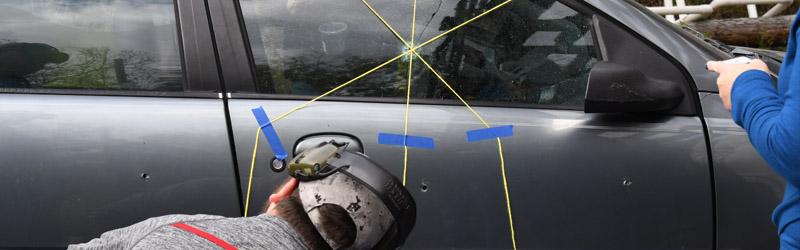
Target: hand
column 285, row 190
column 728, row 74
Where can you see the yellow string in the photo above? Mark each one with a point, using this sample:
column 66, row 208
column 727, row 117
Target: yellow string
column 451, row 89
column 405, row 131
column 499, row 144
column 436, row 37
column 508, row 200
column 341, row 86
column 408, row 92
column 255, row 148
column 252, row 166
column 390, row 27
column 411, row 50
column 465, row 23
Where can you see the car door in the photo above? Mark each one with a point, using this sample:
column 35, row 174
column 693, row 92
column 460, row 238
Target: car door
column 105, row 122
column 566, row 178
column 746, row 189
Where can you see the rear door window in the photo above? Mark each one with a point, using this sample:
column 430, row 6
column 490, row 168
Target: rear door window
column 528, row 51
column 78, row 44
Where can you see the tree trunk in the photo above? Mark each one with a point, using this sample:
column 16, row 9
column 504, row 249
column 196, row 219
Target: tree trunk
column 748, row 32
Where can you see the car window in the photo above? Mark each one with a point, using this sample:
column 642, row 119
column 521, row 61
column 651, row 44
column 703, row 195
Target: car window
column 80, row 44
column 528, row 51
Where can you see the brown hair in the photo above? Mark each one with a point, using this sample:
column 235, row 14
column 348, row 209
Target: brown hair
column 334, row 220
column 337, row 224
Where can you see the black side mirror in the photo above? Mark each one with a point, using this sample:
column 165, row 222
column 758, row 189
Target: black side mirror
column 618, row 88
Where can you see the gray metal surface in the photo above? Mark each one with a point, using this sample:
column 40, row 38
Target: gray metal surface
column 576, row 180
column 76, row 166
column 689, row 51
column 747, row 189
column 312, row 141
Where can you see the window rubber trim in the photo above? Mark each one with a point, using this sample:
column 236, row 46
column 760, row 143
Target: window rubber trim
column 402, row 100
column 100, row 92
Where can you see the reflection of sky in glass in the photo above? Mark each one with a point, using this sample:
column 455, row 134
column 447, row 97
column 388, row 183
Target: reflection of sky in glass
column 531, row 40
column 585, row 40
column 118, row 25
column 366, row 35
column 141, row 34
column 542, row 38
column 557, row 11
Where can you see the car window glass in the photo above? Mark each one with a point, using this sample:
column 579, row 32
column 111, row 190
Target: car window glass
column 528, row 51
column 80, row 44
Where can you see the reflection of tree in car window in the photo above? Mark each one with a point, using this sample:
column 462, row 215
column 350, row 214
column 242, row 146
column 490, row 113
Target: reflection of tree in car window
column 112, row 44
column 528, row 52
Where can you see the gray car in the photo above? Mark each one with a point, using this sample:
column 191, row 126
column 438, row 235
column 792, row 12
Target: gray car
column 604, row 129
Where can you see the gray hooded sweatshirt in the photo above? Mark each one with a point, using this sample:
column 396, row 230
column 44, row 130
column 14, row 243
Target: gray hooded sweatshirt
column 264, row 231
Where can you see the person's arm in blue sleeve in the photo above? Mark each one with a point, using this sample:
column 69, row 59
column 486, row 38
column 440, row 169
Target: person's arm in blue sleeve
column 771, row 119
column 771, row 122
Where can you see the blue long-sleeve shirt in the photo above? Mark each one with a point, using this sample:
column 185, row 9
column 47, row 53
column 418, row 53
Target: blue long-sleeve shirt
column 772, row 121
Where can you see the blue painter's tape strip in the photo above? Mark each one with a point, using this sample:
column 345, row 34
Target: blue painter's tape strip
column 391, row 139
column 420, row 142
column 406, row 140
column 490, row 133
column 269, row 132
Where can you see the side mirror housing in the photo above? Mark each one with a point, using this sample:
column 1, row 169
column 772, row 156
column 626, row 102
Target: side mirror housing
column 616, row 88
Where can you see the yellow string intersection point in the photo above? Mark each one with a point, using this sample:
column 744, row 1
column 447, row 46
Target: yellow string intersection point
column 499, row 144
column 412, row 51
column 499, row 147
column 342, row 86
column 255, row 148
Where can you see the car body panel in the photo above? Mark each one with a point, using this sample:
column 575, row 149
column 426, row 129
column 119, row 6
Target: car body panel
column 76, row 166
column 80, row 162
column 611, row 173
column 740, row 174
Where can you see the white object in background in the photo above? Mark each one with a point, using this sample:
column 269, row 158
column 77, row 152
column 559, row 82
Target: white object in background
column 751, row 11
column 681, row 3
column 334, row 37
column 697, row 12
column 667, row 4
column 738, row 60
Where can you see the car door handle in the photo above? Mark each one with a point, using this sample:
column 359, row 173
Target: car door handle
column 308, row 141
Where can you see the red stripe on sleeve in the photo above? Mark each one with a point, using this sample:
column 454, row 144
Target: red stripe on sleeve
column 205, row 235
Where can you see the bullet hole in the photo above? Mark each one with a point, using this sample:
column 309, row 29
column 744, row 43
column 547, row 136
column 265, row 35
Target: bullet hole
column 627, row 182
column 145, row 176
column 423, row 187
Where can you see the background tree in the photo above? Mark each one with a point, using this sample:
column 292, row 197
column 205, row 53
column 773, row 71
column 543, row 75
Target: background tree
column 731, row 26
